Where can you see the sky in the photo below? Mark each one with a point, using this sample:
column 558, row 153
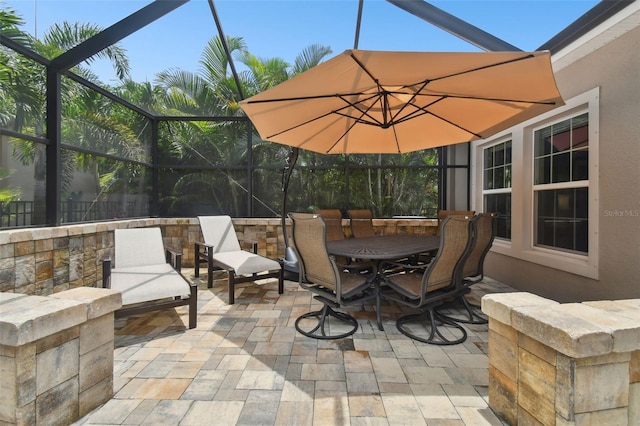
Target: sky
column 283, row 28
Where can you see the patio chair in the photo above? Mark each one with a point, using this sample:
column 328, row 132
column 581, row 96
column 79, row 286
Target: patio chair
column 221, row 251
column 333, row 220
column 332, row 285
column 148, row 277
column 425, row 287
column 361, row 222
column 473, row 270
column 442, row 214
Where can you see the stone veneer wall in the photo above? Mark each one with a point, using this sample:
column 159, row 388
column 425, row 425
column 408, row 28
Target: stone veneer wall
column 56, row 355
column 563, row 364
column 43, row 261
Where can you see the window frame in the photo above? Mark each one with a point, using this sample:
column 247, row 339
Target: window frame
column 522, row 245
column 538, row 188
column 494, row 191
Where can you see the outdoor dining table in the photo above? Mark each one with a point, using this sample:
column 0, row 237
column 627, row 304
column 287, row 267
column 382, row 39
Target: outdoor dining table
column 383, row 247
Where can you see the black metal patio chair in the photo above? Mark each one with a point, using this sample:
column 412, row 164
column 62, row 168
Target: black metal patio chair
column 332, row 285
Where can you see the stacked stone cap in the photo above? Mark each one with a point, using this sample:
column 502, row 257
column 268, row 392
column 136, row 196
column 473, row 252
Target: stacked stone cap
column 578, row 330
column 25, row 319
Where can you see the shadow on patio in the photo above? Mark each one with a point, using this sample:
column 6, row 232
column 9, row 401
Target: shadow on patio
column 246, row 364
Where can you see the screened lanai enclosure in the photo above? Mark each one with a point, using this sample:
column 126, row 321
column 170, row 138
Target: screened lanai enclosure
column 75, row 149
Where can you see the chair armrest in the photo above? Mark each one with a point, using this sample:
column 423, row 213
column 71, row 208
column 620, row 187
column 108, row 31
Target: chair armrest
column 202, row 248
column 106, row 273
column 174, row 258
column 200, row 244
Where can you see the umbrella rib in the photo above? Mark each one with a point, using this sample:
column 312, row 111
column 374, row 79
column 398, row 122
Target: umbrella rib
column 341, row 96
column 361, row 65
column 364, row 112
column 301, row 98
column 413, row 96
column 301, row 124
column 484, row 67
column 426, row 111
column 356, row 121
column 455, row 125
column 340, row 138
column 480, row 98
column 383, row 95
column 338, row 112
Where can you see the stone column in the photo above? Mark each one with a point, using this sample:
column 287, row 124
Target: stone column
column 563, row 364
column 56, row 354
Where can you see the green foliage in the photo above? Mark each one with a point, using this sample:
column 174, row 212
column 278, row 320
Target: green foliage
column 206, row 166
column 8, row 193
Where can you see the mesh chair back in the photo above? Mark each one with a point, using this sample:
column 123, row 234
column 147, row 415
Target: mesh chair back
column 138, row 247
column 218, row 231
column 485, row 232
column 333, row 221
column 309, row 240
column 454, row 244
column 361, row 223
column 442, row 214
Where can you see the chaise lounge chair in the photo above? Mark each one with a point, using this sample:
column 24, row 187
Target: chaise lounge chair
column 148, row 277
column 221, row 250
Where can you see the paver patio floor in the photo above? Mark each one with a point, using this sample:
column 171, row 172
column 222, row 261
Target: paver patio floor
column 245, row 364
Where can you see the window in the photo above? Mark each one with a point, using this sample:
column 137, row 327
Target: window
column 561, row 185
column 542, row 177
column 496, row 186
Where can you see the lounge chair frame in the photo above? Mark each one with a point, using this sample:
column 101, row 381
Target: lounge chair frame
column 205, row 252
column 173, row 258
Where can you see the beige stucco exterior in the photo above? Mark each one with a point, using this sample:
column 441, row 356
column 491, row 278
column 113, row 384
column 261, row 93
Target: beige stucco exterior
column 613, row 72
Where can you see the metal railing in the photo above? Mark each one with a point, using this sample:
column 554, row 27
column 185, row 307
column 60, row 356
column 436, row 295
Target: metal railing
column 16, row 213
column 20, row 213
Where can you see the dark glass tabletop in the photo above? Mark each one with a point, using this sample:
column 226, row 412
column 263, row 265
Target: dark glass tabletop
column 383, row 247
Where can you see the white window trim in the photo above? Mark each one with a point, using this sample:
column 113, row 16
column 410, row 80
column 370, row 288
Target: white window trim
column 483, row 191
column 521, row 245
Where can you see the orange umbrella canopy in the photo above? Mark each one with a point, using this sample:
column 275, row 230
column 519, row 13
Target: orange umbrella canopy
column 366, row 102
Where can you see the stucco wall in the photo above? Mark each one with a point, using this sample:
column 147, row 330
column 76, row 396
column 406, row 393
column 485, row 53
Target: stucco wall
column 615, row 68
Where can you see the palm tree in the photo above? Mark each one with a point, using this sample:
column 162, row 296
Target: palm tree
column 213, row 91
column 24, row 94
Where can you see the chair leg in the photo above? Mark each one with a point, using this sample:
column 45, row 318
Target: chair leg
column 319, row 331
column 436, row 337
column 232, row 293
column 197, row 261
column 281, row 281
column 378, row 303
column 470, row 314
column 193, row 307
column 209, row 268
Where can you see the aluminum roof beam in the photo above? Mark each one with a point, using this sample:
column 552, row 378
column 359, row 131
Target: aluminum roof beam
column 455, row 26
column 591, row 19
column 114, row 33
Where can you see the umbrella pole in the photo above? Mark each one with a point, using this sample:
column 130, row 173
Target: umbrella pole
column 288, row 170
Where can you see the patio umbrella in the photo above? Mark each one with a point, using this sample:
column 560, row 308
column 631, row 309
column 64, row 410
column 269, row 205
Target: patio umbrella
column 377, row 102
column 387, row 102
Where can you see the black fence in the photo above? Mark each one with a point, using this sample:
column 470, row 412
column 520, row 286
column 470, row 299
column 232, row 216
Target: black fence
column 16, row 213
column 20, row 213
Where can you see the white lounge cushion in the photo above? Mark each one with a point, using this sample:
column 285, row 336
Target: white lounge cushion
column 218, row 231
column 244, row 262
column 149, row 282
column 138, row 247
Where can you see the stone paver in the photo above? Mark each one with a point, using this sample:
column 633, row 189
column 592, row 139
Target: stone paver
column 245, row 364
